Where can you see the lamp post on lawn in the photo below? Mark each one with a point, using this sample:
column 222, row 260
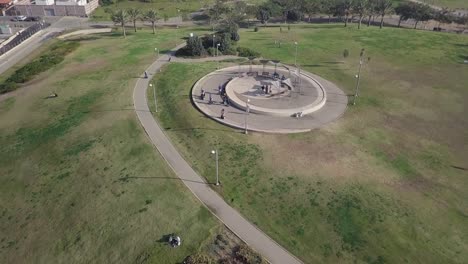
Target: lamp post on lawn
column 154, row 95
column 217, row 49
column 157, row 52
column 358, row 77
column 214, row 41
column 177, row 26
column 215, row 152
column 295, row 58
column 247, row 111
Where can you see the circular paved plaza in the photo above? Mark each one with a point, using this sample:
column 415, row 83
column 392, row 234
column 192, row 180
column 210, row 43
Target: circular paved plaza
column 268, row 99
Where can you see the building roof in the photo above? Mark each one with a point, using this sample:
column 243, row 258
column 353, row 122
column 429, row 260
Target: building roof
column 3, row 2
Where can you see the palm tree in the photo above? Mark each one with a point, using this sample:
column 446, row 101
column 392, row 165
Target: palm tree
column 120, row 17
column 152, row 17
column 134, row 15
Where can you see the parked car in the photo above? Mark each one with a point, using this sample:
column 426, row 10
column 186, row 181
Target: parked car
column 19, row 18
column 31, row 18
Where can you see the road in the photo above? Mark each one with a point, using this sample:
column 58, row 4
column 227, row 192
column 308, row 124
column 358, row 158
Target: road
column 247, row 231
column 21, row 51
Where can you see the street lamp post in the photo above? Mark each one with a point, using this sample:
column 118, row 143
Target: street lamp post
column 214, row 41
column 215, row 152
column 247, row 111
column 358, row 77
column 295, row 58
column 157, row 52
column 217, row 49
column 154, row 95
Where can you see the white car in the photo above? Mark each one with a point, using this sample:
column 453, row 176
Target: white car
column 19, row 18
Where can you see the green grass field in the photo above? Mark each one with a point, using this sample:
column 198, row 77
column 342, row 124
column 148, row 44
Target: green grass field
column 449, row 3
column 386, row 183
column 79, row 180
column 169, row 8
column 163, row 7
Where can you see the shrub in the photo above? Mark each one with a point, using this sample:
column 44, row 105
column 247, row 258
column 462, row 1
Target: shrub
column 212, row 51
column 7, row 87
column 345, row 53
column 106, row 2
column 293, row 15
column 245, row 255
column 230, row 51
column 225, row 42
column 256, row 29
column 49, row 59
column 235, row 36
column 195, row 46
column 246, row 52
column 199, row 258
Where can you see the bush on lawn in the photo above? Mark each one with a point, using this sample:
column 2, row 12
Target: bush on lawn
column 46, row 61
column 246, row 255
column 199, row 258
column 246, row 52
column 195, row 46
column 212, row 51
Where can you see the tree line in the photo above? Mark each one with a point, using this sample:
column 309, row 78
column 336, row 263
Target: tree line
column 346, row 10
column 227, row 14
column 123, row 16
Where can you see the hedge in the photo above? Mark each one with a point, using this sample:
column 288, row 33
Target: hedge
column 54, row 56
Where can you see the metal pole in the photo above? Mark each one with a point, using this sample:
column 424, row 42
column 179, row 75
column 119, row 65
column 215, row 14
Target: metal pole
column 217, row 168
column 154, row 96
column 214, row 41
column 295, row 58
column 247, row 111
column 215, row 152
column 358, row 82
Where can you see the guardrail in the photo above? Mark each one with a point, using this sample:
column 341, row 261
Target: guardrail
column 21, row 36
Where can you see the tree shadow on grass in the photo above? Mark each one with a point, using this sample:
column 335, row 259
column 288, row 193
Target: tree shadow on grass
column 459, row 168
column 83, row 38
column 111, row 110
column 464, row 58
column 164, row 239
column 202, row 128
column 314, row 65
column 461, row 45
column 164, row 178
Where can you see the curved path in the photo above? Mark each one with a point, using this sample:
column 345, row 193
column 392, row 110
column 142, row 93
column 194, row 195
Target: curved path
column 245, row 230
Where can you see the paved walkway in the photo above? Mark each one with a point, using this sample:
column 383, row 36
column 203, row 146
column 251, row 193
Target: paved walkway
column 248, row 232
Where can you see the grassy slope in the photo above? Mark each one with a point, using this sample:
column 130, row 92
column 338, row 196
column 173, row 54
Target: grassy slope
column 79, row 180
column 169, row 8
column 377, row 185
column 449, row 3
column 164, row 7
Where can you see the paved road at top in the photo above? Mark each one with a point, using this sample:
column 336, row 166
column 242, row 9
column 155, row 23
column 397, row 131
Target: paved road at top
column 65, row 23
column 28, row 46
column 248, row 232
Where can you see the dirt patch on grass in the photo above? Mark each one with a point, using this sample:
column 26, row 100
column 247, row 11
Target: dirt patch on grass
column 312, row 155
column 80, row 68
